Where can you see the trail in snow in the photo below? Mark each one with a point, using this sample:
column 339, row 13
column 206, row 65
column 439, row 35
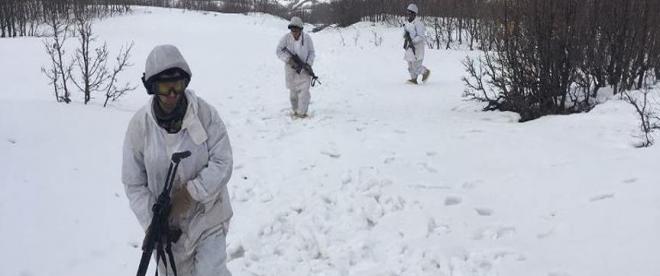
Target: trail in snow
column 384, row 178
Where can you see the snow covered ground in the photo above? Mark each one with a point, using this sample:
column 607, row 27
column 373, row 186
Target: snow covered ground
column 297, row 4
column 384, row 178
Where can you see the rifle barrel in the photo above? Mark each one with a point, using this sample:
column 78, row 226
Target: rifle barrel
column 144, row 262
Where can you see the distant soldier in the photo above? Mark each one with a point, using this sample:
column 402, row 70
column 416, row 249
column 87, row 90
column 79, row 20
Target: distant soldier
column 414, row 43
column 296, row 49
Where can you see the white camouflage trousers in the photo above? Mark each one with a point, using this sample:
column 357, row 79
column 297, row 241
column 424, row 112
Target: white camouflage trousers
column 300, row 100
column 208, row 259
column 415, row 68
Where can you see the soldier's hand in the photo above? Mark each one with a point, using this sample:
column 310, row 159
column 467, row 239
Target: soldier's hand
column 293, row 63
column 181, row 202
column 295, row 66
column 147, row 236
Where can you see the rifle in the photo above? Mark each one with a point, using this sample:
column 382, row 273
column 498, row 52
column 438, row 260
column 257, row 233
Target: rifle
column 159, row 236
column 408, row 43
column 301, row 65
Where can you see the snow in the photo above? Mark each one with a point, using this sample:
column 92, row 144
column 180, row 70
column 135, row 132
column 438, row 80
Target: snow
column 384, row 178
column 297, row 4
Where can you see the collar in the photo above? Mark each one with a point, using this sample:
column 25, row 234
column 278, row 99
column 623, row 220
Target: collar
column 302, row 38
column 191, row 121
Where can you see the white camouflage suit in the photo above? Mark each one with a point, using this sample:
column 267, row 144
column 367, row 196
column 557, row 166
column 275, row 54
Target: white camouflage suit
column 297, row 83
column 201, row 250
column 417, row 33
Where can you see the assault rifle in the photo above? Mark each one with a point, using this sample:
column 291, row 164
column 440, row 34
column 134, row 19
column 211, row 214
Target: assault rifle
column 408, row 43
column 159, row 236
column 301, row 65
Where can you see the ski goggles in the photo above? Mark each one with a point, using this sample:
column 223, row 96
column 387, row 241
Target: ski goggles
column 167, row 86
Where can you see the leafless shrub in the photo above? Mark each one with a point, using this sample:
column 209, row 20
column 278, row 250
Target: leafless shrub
column 554, row 56
column 112, row 91
column 91, row 63
column 646, row 107
column 59, row 72
column 378, row 38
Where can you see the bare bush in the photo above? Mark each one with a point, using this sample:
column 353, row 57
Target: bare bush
column 356, row 37
column 112, row 91
column 378, row 38
column 91, row 63
column 484, row 81
column 342, row 41
column 59, row 72
column 646, row 108
column 554, row 56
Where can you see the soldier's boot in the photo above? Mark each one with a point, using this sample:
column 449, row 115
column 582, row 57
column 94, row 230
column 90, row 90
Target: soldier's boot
column 426, row 75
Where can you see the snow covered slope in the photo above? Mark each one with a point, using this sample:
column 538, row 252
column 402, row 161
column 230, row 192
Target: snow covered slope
column 384, row 178
column 297, row 4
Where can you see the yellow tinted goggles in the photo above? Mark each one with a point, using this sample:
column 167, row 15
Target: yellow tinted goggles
column 165, row 87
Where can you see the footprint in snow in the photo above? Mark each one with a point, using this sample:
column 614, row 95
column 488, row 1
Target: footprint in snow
column 346, row 178
column 545, row 234
column 236, row 252
column 265, row 197
column 331, row 153
column 494, row 233
column 427, row 167
column 601, row 197
column 469, row 185
column 558, row 274
column 452, row 200
column 484, row 211
column 434, row 228
column 26, row 273
column 11, row 141
column 630, row 180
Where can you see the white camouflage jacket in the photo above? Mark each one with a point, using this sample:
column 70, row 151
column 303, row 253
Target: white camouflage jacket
column 147, row 151
column 417, row 32
column 295, row 81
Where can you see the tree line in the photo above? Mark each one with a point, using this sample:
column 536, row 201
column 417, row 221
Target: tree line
column 553, row 57
column 539, row 57
column 23, row 17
